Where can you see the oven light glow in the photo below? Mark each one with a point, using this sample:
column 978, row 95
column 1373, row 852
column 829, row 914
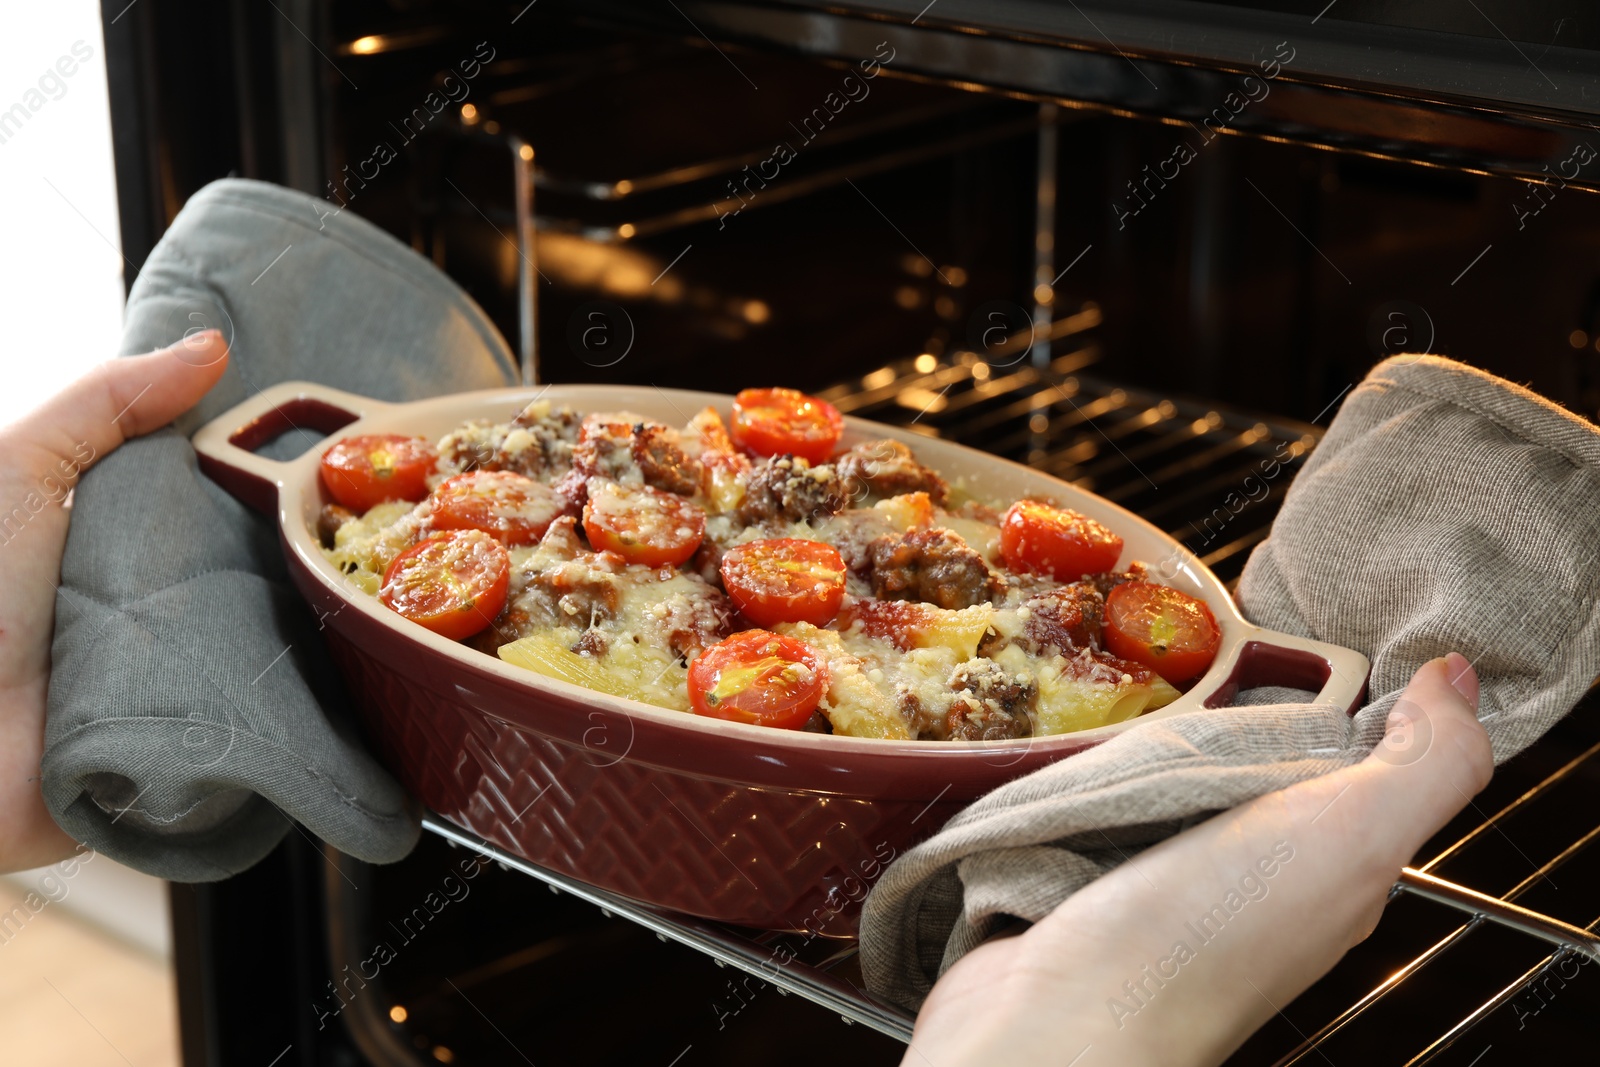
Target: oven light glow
column 924, row 400
column 926, row 362
column 526, row 152
column 365, row 46
column 397, row 1013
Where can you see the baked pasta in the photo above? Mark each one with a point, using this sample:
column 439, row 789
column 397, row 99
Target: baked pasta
column 747, row 568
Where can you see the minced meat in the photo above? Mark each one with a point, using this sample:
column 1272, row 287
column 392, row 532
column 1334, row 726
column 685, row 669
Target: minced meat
column 935, row 566
column 786, row 489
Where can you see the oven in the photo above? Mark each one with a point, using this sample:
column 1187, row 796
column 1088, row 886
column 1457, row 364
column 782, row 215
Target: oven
column 1143, row 246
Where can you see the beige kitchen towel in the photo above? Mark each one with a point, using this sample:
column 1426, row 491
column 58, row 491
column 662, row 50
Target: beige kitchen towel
column 1445, row 510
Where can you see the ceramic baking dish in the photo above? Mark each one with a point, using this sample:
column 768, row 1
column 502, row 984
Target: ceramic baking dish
column 760, row 827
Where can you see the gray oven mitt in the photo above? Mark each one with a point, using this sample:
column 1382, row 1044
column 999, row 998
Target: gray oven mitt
column 1445, row 510
column 186, row 722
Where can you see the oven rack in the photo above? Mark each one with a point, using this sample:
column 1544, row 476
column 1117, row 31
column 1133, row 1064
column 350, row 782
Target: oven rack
column 1566, row 941
column 654, row 187
column 562, row 102
column 1210, row 477
column 752, row 952
column 832, row 983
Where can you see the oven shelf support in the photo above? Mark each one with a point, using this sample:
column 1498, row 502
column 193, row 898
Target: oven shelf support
column 726, row 946
column 1482, row 906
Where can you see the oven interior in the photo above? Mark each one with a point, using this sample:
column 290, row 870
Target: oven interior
column 1030, row 272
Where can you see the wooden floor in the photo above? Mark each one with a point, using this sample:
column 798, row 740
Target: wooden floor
column 73, row 996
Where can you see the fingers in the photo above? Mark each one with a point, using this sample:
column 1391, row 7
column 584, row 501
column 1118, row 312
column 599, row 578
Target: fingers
column 1433, row 759
column 41, row 458
column 1434, row 722
column 1463, row 679
column 119, row 399
column 176, row 378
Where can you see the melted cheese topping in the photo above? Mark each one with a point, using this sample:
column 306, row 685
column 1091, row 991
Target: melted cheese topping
column 654, row 621
column 363, row 549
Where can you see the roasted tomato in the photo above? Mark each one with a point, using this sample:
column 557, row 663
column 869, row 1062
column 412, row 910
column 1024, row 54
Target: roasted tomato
column 758, row 677
column 1163, row 628
column 641, row 524
column 454, row 584
column 362, row 472
column 512, row 507
column 784, row 580
column 776, row 422
column 1055, row 541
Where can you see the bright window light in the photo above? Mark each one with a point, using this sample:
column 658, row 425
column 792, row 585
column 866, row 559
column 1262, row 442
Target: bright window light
column 62, row 273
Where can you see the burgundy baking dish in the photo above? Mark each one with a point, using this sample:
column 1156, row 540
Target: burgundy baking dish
column 767, row 828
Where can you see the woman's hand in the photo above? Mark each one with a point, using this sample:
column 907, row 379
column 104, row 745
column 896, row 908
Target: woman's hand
column 41, row 459
column 1178, row 955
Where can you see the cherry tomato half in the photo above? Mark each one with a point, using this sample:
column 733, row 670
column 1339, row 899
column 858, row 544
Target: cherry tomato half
column 362, row 472
column 758, row 677
column 776, row 422
column 1163, row 628
column 510, row 506
column 784, row 579
column 642, row 524
column 1055, row 541
column 454, row 584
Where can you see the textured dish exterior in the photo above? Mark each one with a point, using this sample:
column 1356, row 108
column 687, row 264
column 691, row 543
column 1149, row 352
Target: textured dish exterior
column 766, row 828
column 725, row 828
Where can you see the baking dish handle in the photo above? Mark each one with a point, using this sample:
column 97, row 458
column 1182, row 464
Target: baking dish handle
column 226, row 445
column 1338, row 675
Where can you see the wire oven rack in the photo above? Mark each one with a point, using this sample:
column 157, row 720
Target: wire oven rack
column 1213, row 479
column 1519, row 937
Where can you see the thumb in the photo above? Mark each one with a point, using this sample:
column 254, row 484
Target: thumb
column 1433, row 730
column 119, row 399
column 1433, row 760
